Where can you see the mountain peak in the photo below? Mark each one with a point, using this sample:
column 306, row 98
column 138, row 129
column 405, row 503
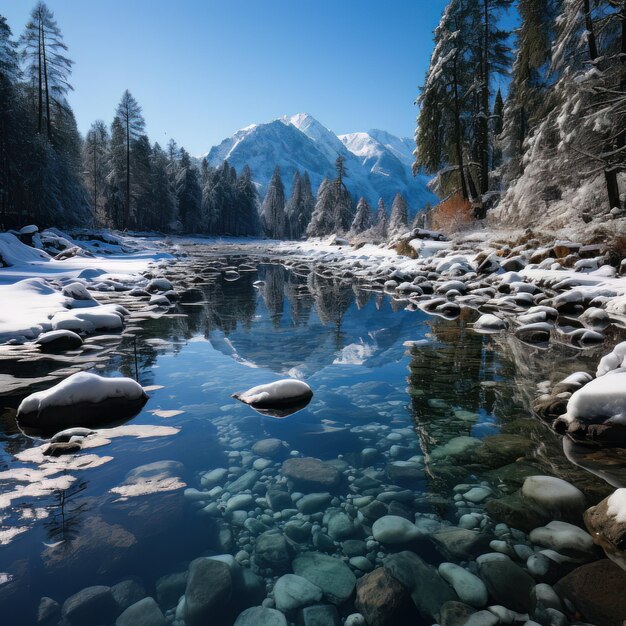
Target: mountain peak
column 378, row 163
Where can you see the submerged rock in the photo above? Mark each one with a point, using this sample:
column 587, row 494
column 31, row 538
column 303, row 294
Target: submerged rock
column 311, row 474
column 90, row 605
column 208, row 590
column 554, row 495
column 508, row 583
column 330, row 574
column 260, row 616
column 272, row 552
column 597, row 592
column 428, row 590
column 395, row 530
column 294, row 592
column 380, row 598
column 146, row 612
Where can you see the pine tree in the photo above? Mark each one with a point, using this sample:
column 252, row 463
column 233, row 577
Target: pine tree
column 132, row 124
column 247, row 204
column 529, row 98
column 380, row 226
column 323, row 219
column 142, row 207
column 163, row 198
column 48, row 68
column 188, row 194
column 492, row 58
column 496, row 130
column 116, row 176
column 13, row 124
column 363, row 218
column 95, row 153
column 398, row 219
column 343, row 212
column 441, row 134
column 273, row 208
column 299, row 207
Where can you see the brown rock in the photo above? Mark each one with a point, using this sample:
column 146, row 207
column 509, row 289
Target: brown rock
column 380, row 597
column 597, row 591
column 607, row 531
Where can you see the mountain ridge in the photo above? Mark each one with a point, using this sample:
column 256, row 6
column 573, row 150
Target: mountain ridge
column 378, row 163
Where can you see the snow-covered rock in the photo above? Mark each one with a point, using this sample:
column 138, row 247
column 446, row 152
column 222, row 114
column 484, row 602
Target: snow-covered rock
column 612, row 361
column 58, row 341
column 281, row 393
column 489, row 323
column 82, row 399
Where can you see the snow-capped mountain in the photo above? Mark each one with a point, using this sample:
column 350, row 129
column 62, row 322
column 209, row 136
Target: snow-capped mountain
column 378, row 163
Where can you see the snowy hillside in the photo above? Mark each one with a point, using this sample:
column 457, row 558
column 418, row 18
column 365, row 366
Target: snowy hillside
column 378, row 163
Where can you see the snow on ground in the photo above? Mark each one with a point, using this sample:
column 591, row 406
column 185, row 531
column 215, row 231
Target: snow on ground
column 37, row 290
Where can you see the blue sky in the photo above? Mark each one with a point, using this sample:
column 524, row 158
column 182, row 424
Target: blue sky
column 201, row 69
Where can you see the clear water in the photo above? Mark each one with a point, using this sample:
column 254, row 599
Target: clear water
column 370, row 391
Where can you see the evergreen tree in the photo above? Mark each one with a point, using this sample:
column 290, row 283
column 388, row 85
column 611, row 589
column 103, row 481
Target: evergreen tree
column 299, row 206
column 323, row 218
column 363, row 218
column 441, row 134
column 273, row 208
column 163, row 198
column 343, row 209
column 116, row 176
column 142, row 207
column 132, row 125
column 529, row 98
column 95, row 154
column 13, row 125
column 398, row 219
column 247, row 204
column 496, row 130
column 188, row 194
column 48, row 68
column 380, row 226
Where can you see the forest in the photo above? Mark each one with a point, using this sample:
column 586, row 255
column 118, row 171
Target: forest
column 522, row 114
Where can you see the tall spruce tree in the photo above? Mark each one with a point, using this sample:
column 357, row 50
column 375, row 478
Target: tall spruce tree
column 529, row 96
column 398, row 219
column 363, row 219
column 189, row 195
column 299, row 207
column 323, row 218
column 95, row 153
column 132, row 126
column 48, row 68
column 273, row 208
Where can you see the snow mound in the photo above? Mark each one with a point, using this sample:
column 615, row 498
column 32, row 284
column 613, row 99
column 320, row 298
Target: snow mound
column 33, row 301
column 82, row 399
column 601, row 400
column 14, row 252
column 287, row 394
column 613, row 360
column 489, row 323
